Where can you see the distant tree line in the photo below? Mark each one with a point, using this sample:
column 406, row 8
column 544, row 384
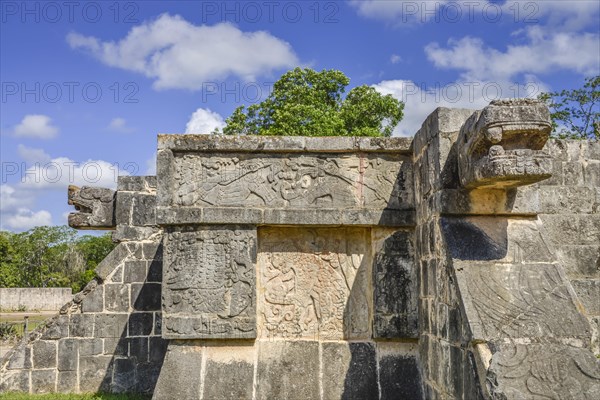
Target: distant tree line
column 50, row 256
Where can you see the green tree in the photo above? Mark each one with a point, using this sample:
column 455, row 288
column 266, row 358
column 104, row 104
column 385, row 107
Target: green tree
column 50, row 256
column 575, row 113
column 305, row 102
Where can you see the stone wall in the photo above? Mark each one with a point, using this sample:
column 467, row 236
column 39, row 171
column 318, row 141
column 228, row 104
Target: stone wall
column 340, row 268
column 44, row 299
column 569, row 209
column 108, row 338
column 288, row 262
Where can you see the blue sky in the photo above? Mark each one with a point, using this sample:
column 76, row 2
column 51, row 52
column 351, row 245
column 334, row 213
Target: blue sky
column 87, row 85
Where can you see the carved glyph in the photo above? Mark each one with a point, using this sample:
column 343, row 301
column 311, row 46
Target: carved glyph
column 313, row 283
column 519, row 300
column 209, row 283
column 544, row 371
column 295, row 181
column 95, row 207
column 500, row 146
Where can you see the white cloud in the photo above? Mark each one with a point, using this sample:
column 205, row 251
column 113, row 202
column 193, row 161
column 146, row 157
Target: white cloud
column 398, row 11
column 60, row 172
column 545, row 52
column 119, row 125
column 395, row 59
column 36, row 126
column 25, row 219
column 180, row 55
column 32, row 155
column 559, row 14
column 421, row 100
column 12, row 199
column 204, row 121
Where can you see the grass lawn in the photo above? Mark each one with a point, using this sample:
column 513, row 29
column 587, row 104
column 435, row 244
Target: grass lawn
column 21, row 396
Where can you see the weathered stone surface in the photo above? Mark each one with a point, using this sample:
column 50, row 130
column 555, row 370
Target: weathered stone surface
column 145, row 296
column 180, row 373
column 95, row 373
column 95, row 207
column 111, row 325
column 20, row 357
column 143, row 212
column 116, row 297
column 282, row 181
column 66, row 382
column 124, row 372
column 224, row 361
column 129, row 183
column 111, row 261
column 543, row 371
column 94, row 301
column 349, row 371
column 209, row 283
column 500, row 145
column 90, row 347
column 399, row 377
column 43, row 381
column 395, row 287
column 141, row 324
column 588, row 292
column 519, row 301
column 135, row 271
column 68, row 352
column 81, row 325
column 288, row 370
column 313, row 283
column 15, row 380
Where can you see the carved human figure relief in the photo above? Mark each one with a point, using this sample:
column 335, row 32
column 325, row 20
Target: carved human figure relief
column 313, row 283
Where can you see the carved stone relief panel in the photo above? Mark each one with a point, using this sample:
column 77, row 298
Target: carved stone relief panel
column 519, row 301
column 544, row 371
column 395, row 289
column 295, row 181
column 209, row 283
column 314, row 283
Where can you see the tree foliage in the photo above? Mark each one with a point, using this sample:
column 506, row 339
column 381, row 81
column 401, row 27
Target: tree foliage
column 50, row 256
column 576, row 113
column 305, row 102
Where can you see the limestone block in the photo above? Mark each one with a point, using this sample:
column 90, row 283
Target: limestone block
column 116, row 297
column 43, row 381
column 180, row 373
column 66, row 382
column 95, row 374
column 519, row 301
column 349, row 371
column 395, row 287
column 519, row 371
column 68, row 350
column 81, row 325
column 314, row 283
column 146, row 296
column 90, row 347
column 15, row 380
column 209, row 283
column 399, row 376
column 224, row 362
column 112, row 261
column 288, row 370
